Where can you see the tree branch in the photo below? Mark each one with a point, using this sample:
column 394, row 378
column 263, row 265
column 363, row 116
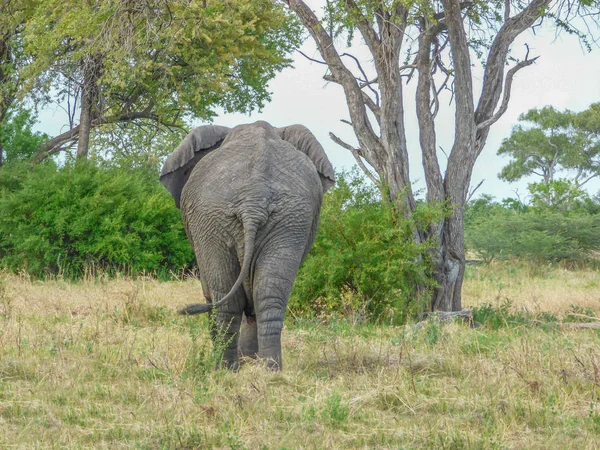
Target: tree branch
column 427, row 137
column 369, row 34
column 57, row 143
column 442, row 15
column 358, row 155
column 339, row 73
column 311, row 59
column 366, row 83
column 588, row 179
column 507, row 88
column 463, row 155
column 494, row 69
column 474, row 190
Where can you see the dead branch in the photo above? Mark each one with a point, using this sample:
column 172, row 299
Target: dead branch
column 311, row 59
column 366, row 83
column 474, row 190
column 357, row 156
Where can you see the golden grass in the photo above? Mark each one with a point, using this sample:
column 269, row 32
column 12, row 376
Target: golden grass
column 107, row 364
column 533, row 288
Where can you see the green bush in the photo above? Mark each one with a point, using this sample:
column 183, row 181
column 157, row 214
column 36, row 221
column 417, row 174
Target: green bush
column 495, row 231
column 364, row 261
column 75, row 220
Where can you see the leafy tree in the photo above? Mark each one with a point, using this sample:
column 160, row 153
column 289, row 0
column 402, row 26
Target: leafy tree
column 554, row 141
column 586, row 162
column 434, row 42
column 129, row 145
column 12, row 60
column 156, row 61
column 18, row 142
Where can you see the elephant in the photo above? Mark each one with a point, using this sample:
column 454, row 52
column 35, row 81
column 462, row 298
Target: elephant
column 250, row 199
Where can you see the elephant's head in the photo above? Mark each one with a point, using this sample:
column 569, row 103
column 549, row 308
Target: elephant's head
column 205, row 139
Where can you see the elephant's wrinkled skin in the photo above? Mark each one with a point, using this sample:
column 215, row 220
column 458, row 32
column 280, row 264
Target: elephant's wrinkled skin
column 250, row 199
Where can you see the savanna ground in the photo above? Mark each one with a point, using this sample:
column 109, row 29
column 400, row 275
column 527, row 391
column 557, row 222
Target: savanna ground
column 108, row 364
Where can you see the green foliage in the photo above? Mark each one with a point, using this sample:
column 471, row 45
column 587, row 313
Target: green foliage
column 364, row 260
column 72, row 221
column 534, row 233
column 557, row 195
column 131, row 146
column 12, row 59
column 166, row 59
column 17, row 138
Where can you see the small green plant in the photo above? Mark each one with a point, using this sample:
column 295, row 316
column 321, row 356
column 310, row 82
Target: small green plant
column 336, row 411
column 205, row 353
column 579, row 314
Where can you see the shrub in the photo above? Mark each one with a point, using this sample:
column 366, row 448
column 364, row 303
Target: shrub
column 72, row 220
column 364, row 260
column 532, row 234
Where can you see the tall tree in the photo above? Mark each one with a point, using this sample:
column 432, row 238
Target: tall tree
column 433, row 41
column 551, row 141
column 154, row 61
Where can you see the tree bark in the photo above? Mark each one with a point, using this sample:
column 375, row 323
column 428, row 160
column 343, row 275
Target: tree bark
column 85, row 122
column 89, row 99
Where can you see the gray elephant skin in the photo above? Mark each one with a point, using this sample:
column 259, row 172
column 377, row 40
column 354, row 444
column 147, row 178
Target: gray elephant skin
column 250, row 199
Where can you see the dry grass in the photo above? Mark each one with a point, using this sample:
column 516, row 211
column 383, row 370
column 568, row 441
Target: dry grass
column 533, row 288
column 108, row 364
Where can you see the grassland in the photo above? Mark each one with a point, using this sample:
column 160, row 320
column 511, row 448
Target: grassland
column 107, row 364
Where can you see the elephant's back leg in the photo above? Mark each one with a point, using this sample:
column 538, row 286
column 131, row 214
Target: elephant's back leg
column 219, row 268
column 276, row 267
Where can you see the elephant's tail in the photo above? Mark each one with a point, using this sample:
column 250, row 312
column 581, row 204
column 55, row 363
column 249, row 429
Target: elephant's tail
column 200, row 308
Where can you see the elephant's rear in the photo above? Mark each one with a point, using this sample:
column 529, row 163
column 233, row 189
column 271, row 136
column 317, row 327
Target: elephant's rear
column 254, row 180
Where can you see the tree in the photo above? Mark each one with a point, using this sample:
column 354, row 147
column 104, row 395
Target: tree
column 12, row 60
column 156, row 61
column 17, row 139
column 433, row 41
column 557, row 195
column 554, row 141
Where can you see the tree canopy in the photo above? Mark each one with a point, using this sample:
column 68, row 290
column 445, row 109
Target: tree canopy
column 157, row 61
column 550, row 142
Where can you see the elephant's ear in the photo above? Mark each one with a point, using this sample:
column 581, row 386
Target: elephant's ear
column 301, row 138
column 195, row 146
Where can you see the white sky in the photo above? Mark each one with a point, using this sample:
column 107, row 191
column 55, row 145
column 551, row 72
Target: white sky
column 565, row 76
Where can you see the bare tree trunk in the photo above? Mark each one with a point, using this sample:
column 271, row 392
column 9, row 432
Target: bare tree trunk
column 89, row 98
column 85, row 120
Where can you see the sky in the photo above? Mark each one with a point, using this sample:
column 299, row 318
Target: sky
column 565, row 76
